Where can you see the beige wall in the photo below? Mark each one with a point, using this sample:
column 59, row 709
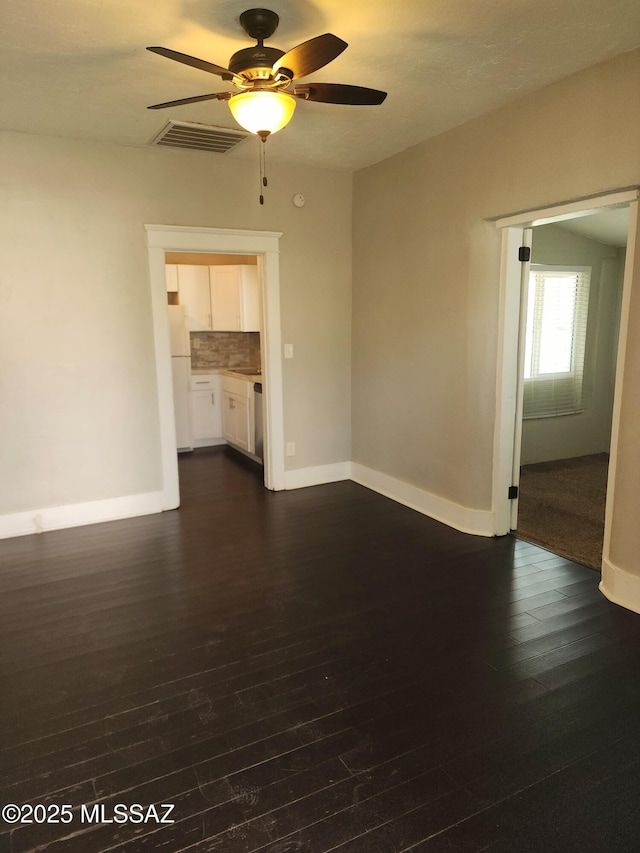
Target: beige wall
column 77, row 380
column 544, row 439
column 426, row 272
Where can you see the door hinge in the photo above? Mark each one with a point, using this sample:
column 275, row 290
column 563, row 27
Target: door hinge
column 513, row 493
column 524, row 253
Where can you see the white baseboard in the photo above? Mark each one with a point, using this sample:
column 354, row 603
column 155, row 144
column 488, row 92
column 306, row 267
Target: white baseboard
column 75, row 515
column 476, row 521
column 300, row 478
column 208, row 442
column 620, row 586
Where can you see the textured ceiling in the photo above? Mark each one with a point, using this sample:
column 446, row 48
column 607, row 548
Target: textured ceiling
column 79, row 68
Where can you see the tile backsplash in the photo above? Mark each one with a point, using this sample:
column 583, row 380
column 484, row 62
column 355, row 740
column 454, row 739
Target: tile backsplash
column 225, row 349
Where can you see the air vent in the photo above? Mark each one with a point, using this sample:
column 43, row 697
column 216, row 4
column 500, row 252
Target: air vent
column 199, row 137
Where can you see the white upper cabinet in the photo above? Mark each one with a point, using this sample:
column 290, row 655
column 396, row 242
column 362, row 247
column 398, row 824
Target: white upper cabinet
column 225, row 299
column 193, row 288
column 222, row 298
column 250, row 299
column 235, row 298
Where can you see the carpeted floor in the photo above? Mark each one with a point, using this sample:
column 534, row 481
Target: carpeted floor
column 561, row 507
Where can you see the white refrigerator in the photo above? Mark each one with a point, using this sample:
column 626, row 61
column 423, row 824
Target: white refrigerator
column 181, row 371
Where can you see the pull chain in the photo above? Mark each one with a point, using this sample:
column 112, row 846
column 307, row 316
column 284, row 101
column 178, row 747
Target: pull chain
column 263, row 162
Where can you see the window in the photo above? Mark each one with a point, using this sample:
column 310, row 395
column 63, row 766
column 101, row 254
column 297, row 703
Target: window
column 558, row 303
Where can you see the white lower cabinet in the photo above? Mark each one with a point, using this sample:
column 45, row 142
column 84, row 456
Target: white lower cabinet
column 235, row 420
column 237, row 413
column 206, row 409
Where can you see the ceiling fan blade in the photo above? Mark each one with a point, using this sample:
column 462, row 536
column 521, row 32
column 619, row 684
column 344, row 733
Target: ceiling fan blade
column 311, row 55
column 337, row 93
column 220, row 96
column 194, row 62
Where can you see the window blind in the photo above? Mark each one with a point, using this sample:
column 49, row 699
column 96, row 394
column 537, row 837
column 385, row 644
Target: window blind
column 557, row 314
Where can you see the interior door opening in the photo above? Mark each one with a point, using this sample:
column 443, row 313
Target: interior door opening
column 265, row 246
column 618, row 583
column 215, row 311
column 572, row 320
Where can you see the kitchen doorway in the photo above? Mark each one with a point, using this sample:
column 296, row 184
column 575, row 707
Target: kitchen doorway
column 265, row 247
column 215, row 318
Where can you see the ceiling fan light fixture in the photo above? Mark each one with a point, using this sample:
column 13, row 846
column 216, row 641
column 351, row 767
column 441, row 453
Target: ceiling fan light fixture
column 262, row 112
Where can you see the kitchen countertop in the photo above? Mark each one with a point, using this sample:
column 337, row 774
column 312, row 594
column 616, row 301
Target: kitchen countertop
column 227, row 371
column 250, row 377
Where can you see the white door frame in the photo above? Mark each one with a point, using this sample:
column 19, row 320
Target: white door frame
column 265, row 245
column 508, row 426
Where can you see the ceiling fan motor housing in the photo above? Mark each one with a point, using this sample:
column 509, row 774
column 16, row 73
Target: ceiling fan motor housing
column 255, row 63
column 260, row 24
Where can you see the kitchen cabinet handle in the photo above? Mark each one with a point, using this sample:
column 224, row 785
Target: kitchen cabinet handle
column 213, row 399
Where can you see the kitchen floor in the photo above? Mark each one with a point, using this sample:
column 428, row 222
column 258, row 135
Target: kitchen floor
column 314, row 670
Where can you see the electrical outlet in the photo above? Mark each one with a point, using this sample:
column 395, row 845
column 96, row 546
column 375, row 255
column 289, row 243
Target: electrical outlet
column 288, row 350
column 291, row 448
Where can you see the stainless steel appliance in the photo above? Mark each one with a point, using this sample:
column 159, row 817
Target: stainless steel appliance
column 257, row 411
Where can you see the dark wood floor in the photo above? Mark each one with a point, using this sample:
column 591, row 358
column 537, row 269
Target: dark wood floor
column 317, row 670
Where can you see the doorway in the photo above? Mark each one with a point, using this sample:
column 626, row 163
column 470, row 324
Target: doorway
column 572, row 323
column 215, row 314
column 517, row 233
column 265, row 247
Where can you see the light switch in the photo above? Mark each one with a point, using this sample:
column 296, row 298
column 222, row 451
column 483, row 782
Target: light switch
column 288, row 350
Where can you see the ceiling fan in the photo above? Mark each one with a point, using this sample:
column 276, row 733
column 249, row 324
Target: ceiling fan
column 265, row 77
